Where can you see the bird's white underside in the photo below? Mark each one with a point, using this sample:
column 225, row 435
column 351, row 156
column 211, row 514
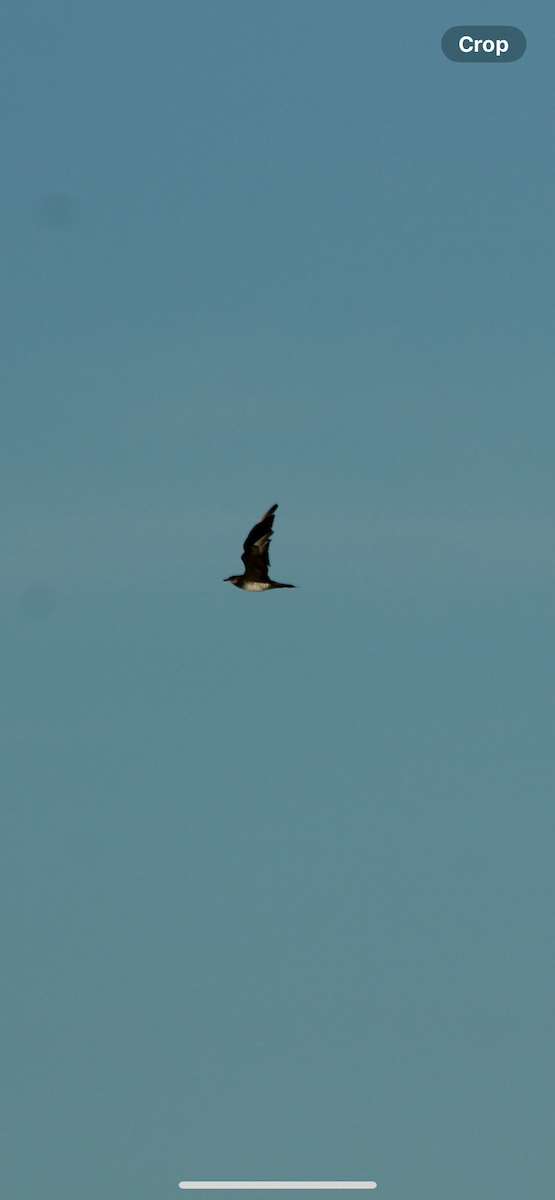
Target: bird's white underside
column 255, row 587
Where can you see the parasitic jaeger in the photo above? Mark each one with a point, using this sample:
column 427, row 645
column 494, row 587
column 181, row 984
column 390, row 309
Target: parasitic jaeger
column 256, row 558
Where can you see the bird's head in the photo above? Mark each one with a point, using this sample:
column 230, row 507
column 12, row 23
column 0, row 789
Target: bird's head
column 232, row 579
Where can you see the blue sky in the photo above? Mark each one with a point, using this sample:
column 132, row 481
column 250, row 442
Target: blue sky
column 277, row 869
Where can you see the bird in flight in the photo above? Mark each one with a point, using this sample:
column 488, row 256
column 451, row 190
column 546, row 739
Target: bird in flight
column 256, row 558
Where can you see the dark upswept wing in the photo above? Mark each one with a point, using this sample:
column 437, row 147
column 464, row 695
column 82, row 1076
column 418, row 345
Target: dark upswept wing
column 256, row 548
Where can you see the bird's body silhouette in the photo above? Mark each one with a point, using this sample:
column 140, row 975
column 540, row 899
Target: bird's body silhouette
column 256, row 558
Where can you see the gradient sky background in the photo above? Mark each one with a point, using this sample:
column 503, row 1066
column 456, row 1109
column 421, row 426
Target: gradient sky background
column 277, row 870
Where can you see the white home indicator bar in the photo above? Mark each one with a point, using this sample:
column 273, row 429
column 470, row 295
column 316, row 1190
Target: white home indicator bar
column 283, row 1183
